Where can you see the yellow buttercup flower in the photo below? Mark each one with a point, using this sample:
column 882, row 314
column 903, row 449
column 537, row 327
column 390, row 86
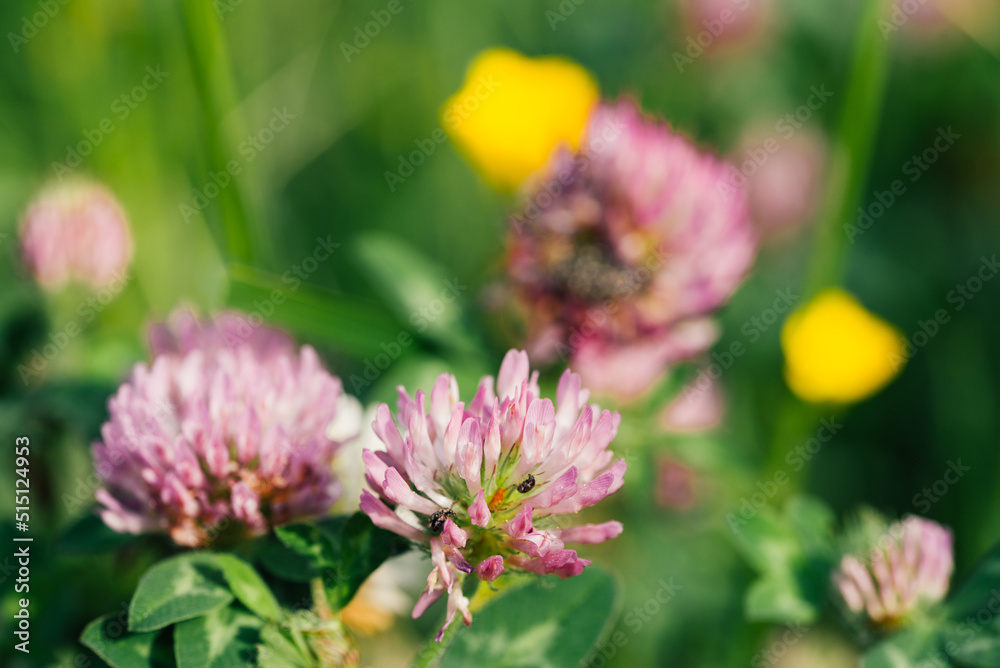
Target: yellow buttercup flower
column 363, row 615
column 512, row 111
column 836, row 351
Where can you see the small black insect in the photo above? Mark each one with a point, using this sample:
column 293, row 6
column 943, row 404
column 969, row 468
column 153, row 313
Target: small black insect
column 436, row 523
column 527, row 484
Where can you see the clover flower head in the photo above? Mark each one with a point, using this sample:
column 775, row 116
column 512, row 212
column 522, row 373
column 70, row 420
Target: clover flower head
column 784, row 180
column 218, row 437
column 487, row 484
column 715, row 25
column 75, row 232
column 699, row 408
column 909, row 569
column 624, row 248
column 676, row 485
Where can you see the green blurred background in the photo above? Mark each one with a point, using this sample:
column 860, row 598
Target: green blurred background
column 229, row 66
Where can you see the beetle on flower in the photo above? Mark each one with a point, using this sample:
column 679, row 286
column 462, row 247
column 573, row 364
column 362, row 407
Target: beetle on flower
column 473, row 480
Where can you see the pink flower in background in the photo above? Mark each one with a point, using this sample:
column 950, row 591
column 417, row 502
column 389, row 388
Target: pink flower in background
column 929, row 24
column 909, row 569
column 625, row 248
column 212, row 437
column 921, row 14
column 485, row 483
column 75, row 232
column 698, row 408
column 785, row 186
column 675, row 485
column 713, row 24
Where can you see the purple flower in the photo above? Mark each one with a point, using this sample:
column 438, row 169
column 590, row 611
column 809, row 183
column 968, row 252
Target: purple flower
column 676, row 485
column 716, row 25
column 784, row 180
column 700, row 407
column 216, row 436
column 472, row 480
column 625, row 248
column 75, row 232
column 909, row 569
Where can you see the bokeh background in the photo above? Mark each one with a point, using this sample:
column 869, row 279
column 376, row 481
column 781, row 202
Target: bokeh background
column 225, row 70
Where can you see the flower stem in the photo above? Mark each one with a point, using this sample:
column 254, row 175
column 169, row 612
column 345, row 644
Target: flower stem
column 217, row 93
column 331, row 642
column 794, row 425
column 321, row 604
column 858, row 123
column 855, row 143
column 432, row 650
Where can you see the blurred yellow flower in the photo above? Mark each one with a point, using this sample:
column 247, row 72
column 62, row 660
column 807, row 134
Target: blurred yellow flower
column 512, row 111
column 364, row 617
column 836, row 351
column 377, row 604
